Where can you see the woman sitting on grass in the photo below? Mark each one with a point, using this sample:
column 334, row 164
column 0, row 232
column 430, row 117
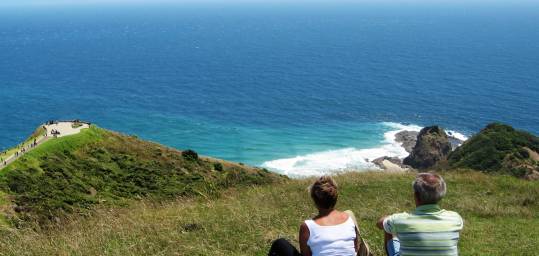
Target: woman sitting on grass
column 331, row 232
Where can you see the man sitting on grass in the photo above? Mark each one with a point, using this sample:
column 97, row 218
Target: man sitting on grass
column 429, row 230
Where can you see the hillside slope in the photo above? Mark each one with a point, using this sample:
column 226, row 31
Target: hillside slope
column 73, row 174
column 499, row 148
column 501, row 216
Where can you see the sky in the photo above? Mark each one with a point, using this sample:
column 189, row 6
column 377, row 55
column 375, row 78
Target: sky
column 41, row 5
column 100, row 2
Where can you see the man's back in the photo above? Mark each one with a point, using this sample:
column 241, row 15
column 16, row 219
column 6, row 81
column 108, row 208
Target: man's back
column 428, row 230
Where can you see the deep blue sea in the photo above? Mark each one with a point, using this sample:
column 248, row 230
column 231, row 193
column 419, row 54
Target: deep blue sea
column 300, row 89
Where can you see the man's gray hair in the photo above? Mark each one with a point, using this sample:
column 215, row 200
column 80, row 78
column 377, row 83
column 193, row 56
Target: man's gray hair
column 429, row 187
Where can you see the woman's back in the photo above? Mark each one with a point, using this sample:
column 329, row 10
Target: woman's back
column 331, row 235
column 332, row 232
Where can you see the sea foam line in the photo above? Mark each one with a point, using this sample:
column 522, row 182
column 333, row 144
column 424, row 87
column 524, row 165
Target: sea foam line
column 346, row 159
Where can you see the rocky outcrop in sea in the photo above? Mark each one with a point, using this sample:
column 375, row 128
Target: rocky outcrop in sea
column 431, row 147
column 422, row 159
column 407, row 139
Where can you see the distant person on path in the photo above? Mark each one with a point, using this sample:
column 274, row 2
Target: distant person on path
column 429, row 230
column 55, row 133
column 331, row 232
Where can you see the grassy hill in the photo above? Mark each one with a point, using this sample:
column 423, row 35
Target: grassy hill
column 73, row 174
column 501, row 218
column 499, row 148
column 104, row 193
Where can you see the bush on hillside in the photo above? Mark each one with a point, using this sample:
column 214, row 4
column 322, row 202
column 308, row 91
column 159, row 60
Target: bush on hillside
column 218, row 167
column 190, row 155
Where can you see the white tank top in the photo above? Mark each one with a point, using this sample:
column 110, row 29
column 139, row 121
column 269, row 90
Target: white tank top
column 337, row 240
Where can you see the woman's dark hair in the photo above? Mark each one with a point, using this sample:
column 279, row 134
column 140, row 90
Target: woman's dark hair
column 324, row 192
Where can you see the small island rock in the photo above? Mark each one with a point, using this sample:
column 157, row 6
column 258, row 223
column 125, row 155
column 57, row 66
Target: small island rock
column 432, row 146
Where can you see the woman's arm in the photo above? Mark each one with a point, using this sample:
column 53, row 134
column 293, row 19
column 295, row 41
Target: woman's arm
column 303, row 238
column 356, row 241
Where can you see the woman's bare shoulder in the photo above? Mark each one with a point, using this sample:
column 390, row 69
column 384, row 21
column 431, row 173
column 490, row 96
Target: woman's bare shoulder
column 343, row 216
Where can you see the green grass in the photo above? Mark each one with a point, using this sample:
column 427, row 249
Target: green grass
column 33, row 158
column 36, row 134
column 501, row 216
column 71, row 175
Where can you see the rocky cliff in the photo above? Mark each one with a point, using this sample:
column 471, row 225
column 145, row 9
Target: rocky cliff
column 431, row 147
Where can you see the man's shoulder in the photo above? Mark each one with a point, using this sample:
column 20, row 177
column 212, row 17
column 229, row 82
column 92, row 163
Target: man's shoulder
column 399, row 217
column 455, row 218
column 451, row 214
column 414, row 217
column 392, row 221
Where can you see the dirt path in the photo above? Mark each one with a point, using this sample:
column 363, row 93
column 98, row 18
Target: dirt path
column 7, row 161
column 56, row 130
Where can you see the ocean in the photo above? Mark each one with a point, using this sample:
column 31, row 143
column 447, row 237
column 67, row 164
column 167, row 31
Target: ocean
column 301, row 89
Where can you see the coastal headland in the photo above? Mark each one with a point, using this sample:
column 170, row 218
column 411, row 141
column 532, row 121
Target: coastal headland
column 99, row 192
column 51, row 129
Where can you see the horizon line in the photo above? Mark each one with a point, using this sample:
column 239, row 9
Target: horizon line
column 45, row 3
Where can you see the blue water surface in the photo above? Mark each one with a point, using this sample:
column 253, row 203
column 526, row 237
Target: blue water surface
column 254, row 83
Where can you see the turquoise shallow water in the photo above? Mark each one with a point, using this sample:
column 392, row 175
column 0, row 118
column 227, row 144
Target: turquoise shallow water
column 256, row 83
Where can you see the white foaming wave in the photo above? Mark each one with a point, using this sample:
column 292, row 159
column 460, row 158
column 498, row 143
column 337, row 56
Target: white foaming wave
column 403, row 127
column 326, row 162
column 456, row 135
column 415, row 128
column 347, row 159
column 389, row 138
column 342, row 160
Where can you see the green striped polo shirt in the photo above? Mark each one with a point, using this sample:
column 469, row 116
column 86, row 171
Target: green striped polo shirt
column 429, row 230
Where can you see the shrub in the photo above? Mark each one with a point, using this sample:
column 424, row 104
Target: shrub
column 76, row 125
column 519, row 172
column 218, row 167
column 190, row 155
column 523, row 153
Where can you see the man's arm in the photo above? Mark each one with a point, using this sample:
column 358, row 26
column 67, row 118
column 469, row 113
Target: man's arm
column 380, row 222
column 387, row 235
column 303, row 238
